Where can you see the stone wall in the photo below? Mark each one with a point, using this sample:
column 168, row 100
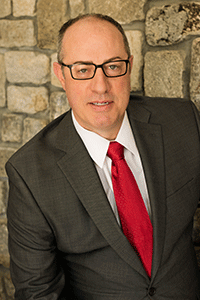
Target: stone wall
column 165, row 41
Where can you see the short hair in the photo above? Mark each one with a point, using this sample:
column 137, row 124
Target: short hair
column 85, row 16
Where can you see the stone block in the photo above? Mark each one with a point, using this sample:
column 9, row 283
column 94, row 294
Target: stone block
column 2, row 81
column 27, row 99
column 27, row 66
column 77, row 7
column 164, row 25
column 17, row 33
column 4, row 255
column 54, row 80
column 9, row 287
column 6, row 286
column 23, row 8
column 32, row 127
column 51, row 15
column 12, row 128
column 163, row 74
column 3, row 296
column 136, row 39
column 170, row 24
column 192, row 26
column 3, row 196
column 124, row 11
column 5, row 8
column 195, row 73
column 58, row 104
column 5, row 154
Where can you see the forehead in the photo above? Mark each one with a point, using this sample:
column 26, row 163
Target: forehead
column 93, row 38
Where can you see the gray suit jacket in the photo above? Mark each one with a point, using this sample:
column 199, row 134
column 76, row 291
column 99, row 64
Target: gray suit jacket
column 64, row 240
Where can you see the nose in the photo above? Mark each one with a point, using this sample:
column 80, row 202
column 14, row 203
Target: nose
column 100, row 83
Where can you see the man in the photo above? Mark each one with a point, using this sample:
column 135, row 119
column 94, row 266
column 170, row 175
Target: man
column 67, row 237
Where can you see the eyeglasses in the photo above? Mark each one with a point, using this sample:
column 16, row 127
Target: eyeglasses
column 84, row 71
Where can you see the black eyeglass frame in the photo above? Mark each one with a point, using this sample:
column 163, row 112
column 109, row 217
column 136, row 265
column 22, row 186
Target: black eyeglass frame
column 96, row 67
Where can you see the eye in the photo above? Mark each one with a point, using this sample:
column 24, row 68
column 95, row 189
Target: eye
column 83, row 71
column 112, row 67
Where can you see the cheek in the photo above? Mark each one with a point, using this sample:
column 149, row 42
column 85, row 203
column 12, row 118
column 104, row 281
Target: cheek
column 123, row 85
column 74, row 94
column 123, row 92
column 74, row 103
column 75, row 89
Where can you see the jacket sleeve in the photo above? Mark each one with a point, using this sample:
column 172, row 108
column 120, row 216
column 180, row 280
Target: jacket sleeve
column 197, row 116
column 34, row 262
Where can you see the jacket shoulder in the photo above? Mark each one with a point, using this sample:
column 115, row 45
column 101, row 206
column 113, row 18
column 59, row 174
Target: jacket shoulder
column 165, row 108
column 41, row 142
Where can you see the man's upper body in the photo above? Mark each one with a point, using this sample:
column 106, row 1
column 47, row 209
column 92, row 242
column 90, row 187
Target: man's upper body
column 65, row 237
column 60, row 219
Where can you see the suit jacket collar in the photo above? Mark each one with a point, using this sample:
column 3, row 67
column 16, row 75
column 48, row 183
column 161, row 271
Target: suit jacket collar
column 80, row 171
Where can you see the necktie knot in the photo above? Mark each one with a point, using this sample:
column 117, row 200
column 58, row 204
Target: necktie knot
column 115, row 151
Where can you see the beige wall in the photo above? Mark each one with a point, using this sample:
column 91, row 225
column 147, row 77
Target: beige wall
column 165, row 40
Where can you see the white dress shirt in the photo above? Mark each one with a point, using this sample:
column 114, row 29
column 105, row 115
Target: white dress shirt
column 97, row 147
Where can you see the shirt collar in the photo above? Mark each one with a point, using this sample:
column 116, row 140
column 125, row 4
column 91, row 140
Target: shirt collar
column 125, row 136
column 97, row 146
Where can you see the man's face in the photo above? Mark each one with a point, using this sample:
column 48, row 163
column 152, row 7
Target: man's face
column 98, row 103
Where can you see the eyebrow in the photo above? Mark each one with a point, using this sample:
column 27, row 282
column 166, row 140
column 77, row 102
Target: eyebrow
column 91, row 62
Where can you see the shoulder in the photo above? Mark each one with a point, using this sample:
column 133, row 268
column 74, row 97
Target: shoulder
column 173, row 114
column 165, row 108
column 156, row 103
column 41, row 144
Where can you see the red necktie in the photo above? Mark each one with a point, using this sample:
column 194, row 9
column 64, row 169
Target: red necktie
column 133, row 214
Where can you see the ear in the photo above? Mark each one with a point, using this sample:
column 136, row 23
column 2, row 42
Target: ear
column 131, row 63
column 59, row 73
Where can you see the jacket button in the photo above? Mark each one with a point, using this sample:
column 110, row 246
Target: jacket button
column 152, row 291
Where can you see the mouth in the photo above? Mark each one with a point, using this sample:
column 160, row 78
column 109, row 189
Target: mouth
column 100, row 103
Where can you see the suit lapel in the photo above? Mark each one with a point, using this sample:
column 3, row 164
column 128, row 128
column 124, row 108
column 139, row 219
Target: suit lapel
column 149, row 142
column 80, row 171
